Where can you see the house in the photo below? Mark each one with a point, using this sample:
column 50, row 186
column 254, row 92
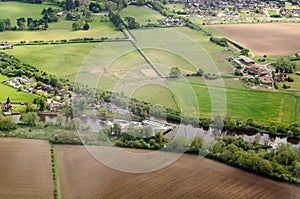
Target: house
column 297, row 54
column 54, row 105
column 6, row 46
column 246, row 60
column 280, row 77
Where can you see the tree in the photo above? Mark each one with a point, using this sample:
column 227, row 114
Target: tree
column 117, row 129
column 232, row 124
column 7, row 24
column 76, row 25
column 69, row 16
column 2, row 26
column 59, row 120
column 21, row 23
column 30, row 107
column 30, row 118
column 244, row 51
column 7, row 123
column 86, row 26
column 200, row 72
column 140, row 2
column 7, row 101
column 175, row 72
column 196, row 144
column 178, row 144
column 284, row 65
column 69, row 4
column 42, row 104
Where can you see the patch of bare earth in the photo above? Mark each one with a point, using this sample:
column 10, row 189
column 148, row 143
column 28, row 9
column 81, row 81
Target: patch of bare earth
column 269, row 39
column 25, row 169
column 82, row 176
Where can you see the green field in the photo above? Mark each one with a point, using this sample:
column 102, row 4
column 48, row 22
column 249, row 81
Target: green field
column 61, row 30
column 159, row 94
column 119, row 66
column 170, row 59
column 142, row 14
column 12, row 93
column 15, row 10
column 56, row 31
column 174, row 7
column 61, row 60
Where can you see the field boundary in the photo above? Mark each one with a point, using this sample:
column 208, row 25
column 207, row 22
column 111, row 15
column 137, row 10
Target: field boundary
column 57, row 194
column 297, row 109
column 133, row 42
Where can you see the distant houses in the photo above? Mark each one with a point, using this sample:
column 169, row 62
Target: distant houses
column 6, row 46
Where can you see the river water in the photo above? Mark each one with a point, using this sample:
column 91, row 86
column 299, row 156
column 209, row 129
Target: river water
column 181, row 130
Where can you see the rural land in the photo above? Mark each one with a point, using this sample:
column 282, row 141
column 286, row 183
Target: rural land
column 149, row 99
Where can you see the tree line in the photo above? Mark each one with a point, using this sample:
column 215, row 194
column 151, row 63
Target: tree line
column 48, row 16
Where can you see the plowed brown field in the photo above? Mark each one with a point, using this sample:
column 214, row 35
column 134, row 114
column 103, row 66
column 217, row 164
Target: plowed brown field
column 269, row 39
column 82, row 176
column 25, row 169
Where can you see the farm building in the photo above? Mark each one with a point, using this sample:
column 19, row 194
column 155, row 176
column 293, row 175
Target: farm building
column 246, row 60
column 266, row 80
column 237, row 62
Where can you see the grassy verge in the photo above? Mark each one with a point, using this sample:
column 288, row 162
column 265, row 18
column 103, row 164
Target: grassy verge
column 55, row 173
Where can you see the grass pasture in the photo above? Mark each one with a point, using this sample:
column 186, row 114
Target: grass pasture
column 56, row 31
column 159, row 94
column 61, row 60
column 15, row 10
column 61, row 30
column 142, row 14
column 175, row 7
column 160, row 56
column 12, row 93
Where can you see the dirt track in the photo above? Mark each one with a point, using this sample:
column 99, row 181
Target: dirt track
column 82, row 176
column 269, row 39
column 25, row 169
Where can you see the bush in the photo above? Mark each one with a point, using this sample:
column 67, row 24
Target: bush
column 285, row 86
column 7, row 123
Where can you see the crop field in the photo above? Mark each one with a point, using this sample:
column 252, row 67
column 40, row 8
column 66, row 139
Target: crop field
column 12, row 93
column 142, row 14
column 25, row 169
column 265, row 39
column 82, row 176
